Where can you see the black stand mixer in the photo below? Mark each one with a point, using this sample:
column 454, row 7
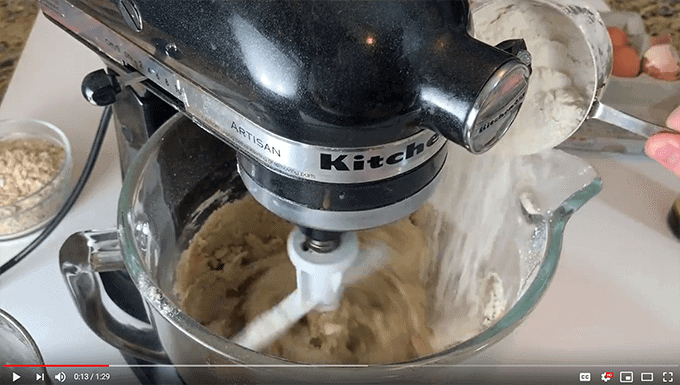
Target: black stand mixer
column 336, row 109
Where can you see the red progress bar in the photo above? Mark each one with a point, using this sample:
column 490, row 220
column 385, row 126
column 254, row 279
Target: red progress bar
column 56, row 366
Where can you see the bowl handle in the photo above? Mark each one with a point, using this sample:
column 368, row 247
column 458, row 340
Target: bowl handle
column 81, row 258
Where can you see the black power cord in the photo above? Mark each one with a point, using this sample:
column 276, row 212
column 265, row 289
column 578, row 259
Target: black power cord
column 82, row 180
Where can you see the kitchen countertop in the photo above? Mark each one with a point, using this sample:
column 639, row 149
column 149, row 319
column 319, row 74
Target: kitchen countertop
column 660, row 16
column 16, row 20
column 52, row 93
column 613, row 304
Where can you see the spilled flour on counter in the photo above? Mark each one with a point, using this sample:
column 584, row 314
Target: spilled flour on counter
column 556, row 100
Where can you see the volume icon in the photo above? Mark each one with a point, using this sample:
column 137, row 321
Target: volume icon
column 61, row 377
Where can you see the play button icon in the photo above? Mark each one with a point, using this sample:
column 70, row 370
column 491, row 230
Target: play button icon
column 15, row 377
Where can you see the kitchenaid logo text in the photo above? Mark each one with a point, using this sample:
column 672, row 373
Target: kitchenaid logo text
column 515, row 103
column 358, row 163
column 261, row 143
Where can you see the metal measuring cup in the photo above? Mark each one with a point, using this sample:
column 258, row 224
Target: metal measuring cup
column 586, row 27
column 601, row 51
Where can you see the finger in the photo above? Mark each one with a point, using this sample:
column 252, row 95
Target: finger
column 665, row 149
column 673, row 120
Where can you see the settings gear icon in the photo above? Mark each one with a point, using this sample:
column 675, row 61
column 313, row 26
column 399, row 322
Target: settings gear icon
column 606, row 376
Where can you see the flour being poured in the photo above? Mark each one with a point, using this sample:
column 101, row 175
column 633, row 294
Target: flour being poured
column 458, row 265
column 452, row 270
column 555, row 103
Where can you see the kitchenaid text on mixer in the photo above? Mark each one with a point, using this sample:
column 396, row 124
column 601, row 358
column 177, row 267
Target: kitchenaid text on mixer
column 339, row 112
column 276, row 84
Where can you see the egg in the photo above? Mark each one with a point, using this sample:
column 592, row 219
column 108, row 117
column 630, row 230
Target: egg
column 618, row 36
column 626, row 62
column 661, row 39
column 662, row 62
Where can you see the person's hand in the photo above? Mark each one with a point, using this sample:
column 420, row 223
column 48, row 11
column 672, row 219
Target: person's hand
column 665, row 148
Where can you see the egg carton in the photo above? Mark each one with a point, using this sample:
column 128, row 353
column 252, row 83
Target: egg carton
column 643, row 97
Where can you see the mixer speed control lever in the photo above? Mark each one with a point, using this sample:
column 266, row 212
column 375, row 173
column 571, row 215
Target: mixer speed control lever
column 101, row 88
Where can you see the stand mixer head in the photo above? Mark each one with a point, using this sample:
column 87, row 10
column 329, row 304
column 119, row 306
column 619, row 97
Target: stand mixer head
column 337, row 109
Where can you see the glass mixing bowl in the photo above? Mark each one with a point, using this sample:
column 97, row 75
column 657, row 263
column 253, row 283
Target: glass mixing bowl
column 183, row 174
column 18, row 348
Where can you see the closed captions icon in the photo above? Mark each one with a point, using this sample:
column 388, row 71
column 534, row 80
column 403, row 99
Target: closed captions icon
column 584, row 377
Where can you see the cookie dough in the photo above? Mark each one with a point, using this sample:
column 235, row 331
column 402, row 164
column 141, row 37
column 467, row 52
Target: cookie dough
column 236, row 267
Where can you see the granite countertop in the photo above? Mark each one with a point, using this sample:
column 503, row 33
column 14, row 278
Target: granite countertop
column 17, row 17
column 660, row 16
column 16, row 21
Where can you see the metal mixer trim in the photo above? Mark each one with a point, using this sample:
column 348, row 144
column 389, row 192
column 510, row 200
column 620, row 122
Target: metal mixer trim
column 298, row 160
column 342, row 220
column 344, row 197
column 504, row 118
